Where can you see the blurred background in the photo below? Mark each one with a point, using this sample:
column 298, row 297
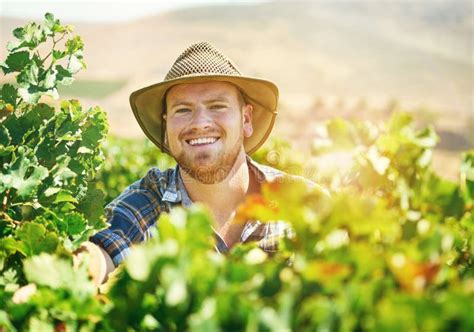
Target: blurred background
column 349, row 59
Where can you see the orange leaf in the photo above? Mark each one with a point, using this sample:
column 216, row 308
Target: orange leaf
column 326, row 271
column 413, row 276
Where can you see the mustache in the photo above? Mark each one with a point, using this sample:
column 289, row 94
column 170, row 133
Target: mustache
column 199, row 132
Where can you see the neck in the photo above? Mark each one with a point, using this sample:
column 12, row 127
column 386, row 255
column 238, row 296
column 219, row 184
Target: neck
column 222, row 198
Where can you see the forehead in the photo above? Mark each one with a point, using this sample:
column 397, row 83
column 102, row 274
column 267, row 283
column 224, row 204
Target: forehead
column 202, row 89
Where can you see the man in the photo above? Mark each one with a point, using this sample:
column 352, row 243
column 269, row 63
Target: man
column 209, row 118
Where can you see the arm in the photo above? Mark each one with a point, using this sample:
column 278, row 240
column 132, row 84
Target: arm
column 129, row 216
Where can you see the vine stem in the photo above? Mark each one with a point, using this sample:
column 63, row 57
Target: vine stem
column 9, row 219
column 5, row 200
column 54, row 45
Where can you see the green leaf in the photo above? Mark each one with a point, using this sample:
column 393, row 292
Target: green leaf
column 19, row 43
column 49, row 80
column 84, row 150
column 75, row 65
column 97, row 129
column 5, row 321
column 467, row 175
column 9, row 94
column 63, row 76
column 5, row 137
column 49, row 18
column 63, row 173
column 64, row 196
column 92, row 206
column 75, row 223
column 5, row 140
column 30, row 95
column 379, row 162
column 67, row 127
column 35, row 239
column 206, row 319
column 8, row 246
column 33, row 35
column 57, row 55
column 426, row 138
column 31, row 119
column 23, row 174
column 15, row 45
column 37, row 324
column 71, row 286
column 16, row 62
column 52, row 271
column 67, row 207
column 52, row 25
column 398, row 121
column 5, row 151
column 18, row 33
column 177, row 292
column 138, row 263
column 49, row 23
column 425, row 158
column 149, row 323
column 74, row 44
column 341, row 133
column 51, row 191
column 9, row 280
column 32, row 74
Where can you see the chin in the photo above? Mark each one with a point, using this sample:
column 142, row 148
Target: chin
column 207, row 168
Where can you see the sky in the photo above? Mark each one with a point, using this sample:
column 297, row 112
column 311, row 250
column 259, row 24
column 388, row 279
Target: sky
column 99, row 10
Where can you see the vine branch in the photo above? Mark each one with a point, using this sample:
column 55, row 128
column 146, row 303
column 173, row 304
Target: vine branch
column 9, row 219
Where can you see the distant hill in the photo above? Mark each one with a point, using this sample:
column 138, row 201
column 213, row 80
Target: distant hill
column 420, row 53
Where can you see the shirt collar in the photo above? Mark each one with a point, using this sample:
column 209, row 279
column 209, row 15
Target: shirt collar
column 175, row 191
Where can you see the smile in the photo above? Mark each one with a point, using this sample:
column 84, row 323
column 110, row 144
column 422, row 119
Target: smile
column 202, row 141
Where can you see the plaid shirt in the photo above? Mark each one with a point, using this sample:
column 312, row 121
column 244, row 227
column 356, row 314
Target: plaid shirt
column 136, row 210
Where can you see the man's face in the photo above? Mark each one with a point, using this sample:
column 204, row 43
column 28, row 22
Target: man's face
column 206, row 124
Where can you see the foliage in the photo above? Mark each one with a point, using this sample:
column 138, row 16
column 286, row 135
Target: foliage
column 391, row 248
column 49, row 157
column 126, row 161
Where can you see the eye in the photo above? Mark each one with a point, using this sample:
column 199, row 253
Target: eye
column 217, row 106
column 182, row 110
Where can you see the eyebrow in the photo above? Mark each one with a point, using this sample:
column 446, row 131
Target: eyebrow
column 210, row 101
column 181, row 102
column 217, row 99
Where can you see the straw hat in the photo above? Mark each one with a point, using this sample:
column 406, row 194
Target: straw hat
column 203, row 62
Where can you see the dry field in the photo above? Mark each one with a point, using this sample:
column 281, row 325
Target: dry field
column 328, row 59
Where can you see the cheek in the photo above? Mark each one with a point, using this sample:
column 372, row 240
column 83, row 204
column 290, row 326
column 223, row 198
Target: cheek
column 230, row 120
column 175, row 125
column 172, row 132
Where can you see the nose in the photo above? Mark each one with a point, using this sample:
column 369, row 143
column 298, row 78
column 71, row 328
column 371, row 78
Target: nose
column 201, row 118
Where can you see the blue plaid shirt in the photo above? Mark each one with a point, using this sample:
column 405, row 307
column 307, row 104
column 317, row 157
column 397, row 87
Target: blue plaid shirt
column 136, row 210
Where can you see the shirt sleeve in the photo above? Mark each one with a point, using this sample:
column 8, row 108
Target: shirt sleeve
column 130, row 217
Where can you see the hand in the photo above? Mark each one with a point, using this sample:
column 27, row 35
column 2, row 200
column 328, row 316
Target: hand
column 100, row 263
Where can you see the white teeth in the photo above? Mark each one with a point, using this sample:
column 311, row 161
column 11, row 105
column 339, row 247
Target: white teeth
column 205, row 140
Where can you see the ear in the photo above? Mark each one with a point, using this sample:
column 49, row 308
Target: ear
column 247, row 120
column 163, row 127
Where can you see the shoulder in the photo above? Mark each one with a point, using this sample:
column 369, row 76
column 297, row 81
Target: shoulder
column 146, row 191
column 155, row 180
column 271, row 174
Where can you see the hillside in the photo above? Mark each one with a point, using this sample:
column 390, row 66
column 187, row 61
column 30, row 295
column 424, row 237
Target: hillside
column 334, row 54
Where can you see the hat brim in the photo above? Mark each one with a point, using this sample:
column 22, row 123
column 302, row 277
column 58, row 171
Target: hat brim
column 147, row 105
